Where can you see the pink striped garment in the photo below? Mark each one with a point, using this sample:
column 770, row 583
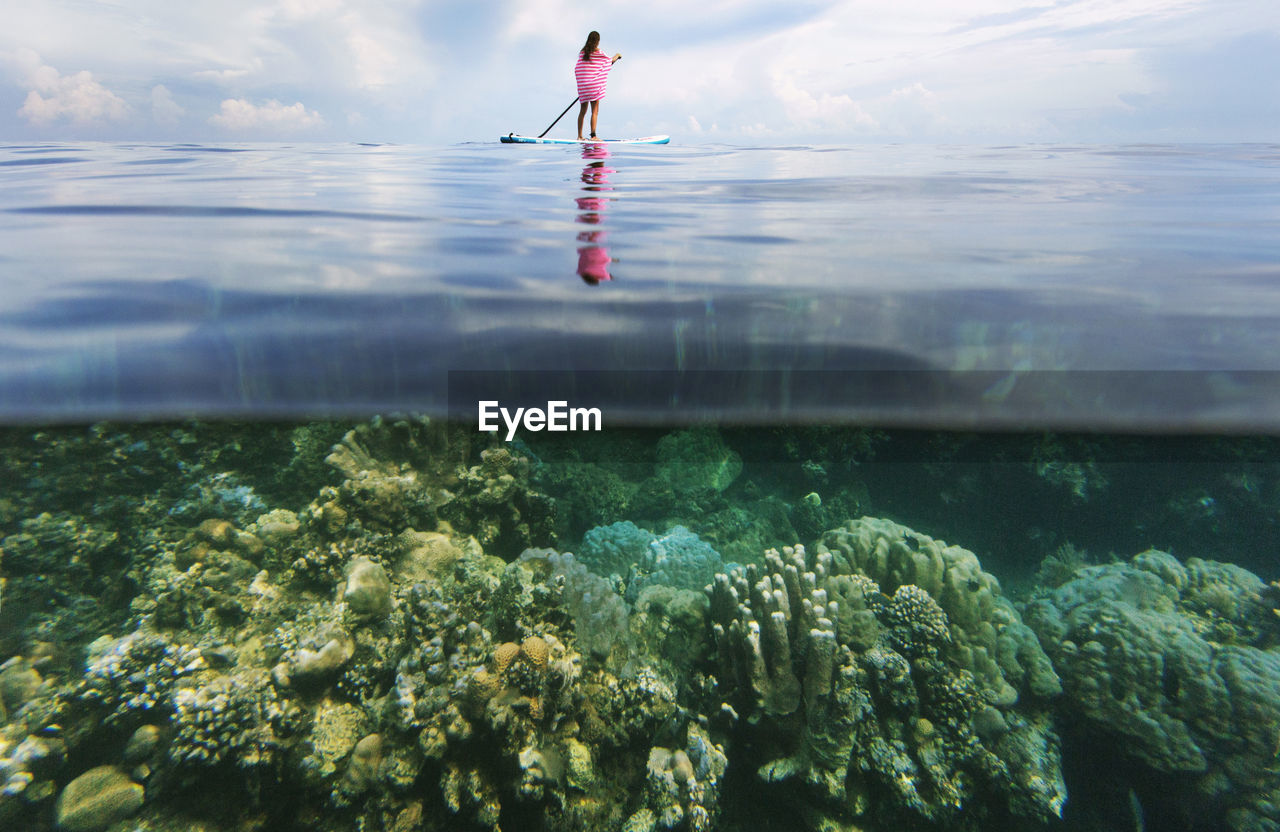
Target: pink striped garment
column 592, row 75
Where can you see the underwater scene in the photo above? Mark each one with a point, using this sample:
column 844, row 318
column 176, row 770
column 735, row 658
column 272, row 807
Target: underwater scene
column 406, row 624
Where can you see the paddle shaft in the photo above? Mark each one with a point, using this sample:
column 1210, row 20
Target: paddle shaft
column 553, row 124
column 566, row 109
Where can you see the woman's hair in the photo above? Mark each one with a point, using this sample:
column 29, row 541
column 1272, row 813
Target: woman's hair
column 593, row 40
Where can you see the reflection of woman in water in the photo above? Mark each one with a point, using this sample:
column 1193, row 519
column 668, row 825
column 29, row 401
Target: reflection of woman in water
column 591, row 73
column 593, row 258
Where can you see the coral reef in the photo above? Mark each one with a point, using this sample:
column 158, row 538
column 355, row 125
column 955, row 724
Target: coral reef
column 669, row 628
column 1061, row 566
column 695, row 463
column 220, row 496
column 740, row 531
column 990, row 639
column 385, row 485
column 614, row 549
column 678, row 558
column 682, row 786
column 495, row 502
column 692, row 471
column 587, row 495
column 1160, row 658
column 871, row 700
column 480, row 707
column 368, row 589
column 317, row 663
column 128, row 677
column 598, row 613
column 360, row 627
column 237, row 717
column 639, row 558
column 62, row 560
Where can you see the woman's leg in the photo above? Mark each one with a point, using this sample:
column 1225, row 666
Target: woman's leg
column 595, row 112
column 582, row 111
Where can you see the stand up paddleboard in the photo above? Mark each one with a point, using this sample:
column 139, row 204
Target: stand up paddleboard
column 512, row 138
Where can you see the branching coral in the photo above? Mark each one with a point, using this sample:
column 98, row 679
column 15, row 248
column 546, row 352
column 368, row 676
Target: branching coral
column 135, row 674
column 234, row 717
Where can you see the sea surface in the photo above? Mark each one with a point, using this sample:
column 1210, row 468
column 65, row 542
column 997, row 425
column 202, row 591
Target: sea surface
column 938, row 488
column 1081, row 286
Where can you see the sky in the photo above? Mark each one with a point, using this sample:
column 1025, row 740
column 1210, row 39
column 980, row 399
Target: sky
column 744, row 72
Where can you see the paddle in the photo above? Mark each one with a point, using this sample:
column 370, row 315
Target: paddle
column 553, row 124
column 567, row 109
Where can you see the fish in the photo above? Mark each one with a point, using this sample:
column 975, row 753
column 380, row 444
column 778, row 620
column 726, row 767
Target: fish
column 1135, row 809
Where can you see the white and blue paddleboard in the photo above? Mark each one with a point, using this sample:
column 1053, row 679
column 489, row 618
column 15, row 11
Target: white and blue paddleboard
column 512, row 138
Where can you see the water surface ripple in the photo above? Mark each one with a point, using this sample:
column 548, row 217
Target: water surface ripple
column 159, row 280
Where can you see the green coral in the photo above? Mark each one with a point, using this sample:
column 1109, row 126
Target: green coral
column 696, row 462
column 1162, row 658
column 990, row 639
column 870, row 700
column 587, row 495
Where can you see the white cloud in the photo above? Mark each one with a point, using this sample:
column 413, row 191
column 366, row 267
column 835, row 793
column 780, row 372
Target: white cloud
column 76, row 98
column 309, row 8
column 239, row 114
column 910, row 110
column 374, row 56
column 228, row 76
column 930, row 70
column 926, row 71
column 163, row 108
column 362, row 45
column 824, row 111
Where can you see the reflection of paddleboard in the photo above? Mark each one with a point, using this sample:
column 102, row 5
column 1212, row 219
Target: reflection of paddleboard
column 512, row 138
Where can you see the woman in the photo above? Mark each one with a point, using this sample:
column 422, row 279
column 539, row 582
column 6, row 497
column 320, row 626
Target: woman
column 591, row 72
